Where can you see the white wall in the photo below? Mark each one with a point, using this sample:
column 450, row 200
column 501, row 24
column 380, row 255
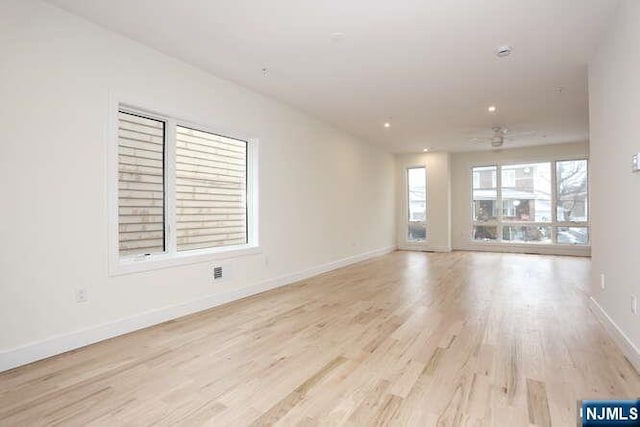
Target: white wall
column 324, row 195
column 461, row 164
column 614, row 103
column 438, row 200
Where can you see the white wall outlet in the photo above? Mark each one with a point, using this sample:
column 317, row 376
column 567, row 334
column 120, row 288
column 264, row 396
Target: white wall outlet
column 634, row 304
column 602, row 281
column 82, row 295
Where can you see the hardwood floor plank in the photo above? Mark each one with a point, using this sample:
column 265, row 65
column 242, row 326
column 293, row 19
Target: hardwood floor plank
column 407, row 339
column 298, row 394
column 538, row 404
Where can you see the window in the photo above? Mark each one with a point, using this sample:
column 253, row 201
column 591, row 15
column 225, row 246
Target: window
column 416, row 204
column 572, row 191
column 485, row 233
column 540, row 203
column 211, row 184
column 485, row 195
column 141, row 185
column 526, row 194
column 181, row 189
column 526, row 233
column 508, row 178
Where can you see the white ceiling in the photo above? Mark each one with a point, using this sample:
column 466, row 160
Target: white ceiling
column 427, row 66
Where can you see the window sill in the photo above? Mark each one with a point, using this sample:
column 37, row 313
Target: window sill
column 539, row 248
column 424, row 245
column 160, row 261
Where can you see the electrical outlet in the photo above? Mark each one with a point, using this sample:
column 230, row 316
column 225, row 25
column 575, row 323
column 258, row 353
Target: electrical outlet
column 602, row 280
column 82, row 295
column 634, row 304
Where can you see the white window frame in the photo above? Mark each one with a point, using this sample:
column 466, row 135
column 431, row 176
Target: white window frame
column 554, row 224
column 476, row 180
column 406, row 209
column 171, row 256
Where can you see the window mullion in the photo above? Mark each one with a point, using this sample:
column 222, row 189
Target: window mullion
column 499, row 201
column 170, row 187
column 554, row 202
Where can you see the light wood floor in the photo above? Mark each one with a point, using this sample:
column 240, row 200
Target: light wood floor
column 411, row 338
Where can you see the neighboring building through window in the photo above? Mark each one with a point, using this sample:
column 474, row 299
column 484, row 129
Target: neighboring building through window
column 416, row 204
column 180, row 189
column 508, row 178
column 485, row 203
column 141, row 185
column 211, row 190
column 573, row 201
column 539, row 203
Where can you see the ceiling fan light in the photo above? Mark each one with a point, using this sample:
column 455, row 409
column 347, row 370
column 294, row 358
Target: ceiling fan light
column 503, row 51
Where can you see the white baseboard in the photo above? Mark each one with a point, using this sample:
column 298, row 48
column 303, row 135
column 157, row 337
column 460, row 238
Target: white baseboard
column 65, row 342
column 532, row 248
column 629, row 349
column 423, row 248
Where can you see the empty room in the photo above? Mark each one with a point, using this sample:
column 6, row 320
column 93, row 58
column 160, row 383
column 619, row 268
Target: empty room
column 297, row 212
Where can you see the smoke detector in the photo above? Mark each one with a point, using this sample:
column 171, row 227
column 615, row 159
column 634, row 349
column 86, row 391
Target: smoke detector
column 503, row 51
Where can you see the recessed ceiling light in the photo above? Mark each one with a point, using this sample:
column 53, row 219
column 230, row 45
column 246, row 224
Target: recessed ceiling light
column 425, row 149
column 387, row 124
column 492, row 108
column 503, row 51
column 337, row 37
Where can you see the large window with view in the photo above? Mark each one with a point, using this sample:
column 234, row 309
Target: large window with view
column 416, row 204
column 181, row 189
column 544, row 203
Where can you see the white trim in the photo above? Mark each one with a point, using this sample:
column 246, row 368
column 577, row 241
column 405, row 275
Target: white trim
column 531, row 248
column 58, row 344
column 419, row 246
column 554, row 202
column 166, row 260
column 403, row 240
column 171, row 235
column 629, row 349
column 522, row 158
column 253, row 189
column 111, row 176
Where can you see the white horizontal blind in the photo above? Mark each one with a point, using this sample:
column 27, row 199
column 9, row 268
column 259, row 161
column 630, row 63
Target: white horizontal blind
column 211, row 190
column 141, row 142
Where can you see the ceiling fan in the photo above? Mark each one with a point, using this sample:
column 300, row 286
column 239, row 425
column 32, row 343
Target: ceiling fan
column 500, row 134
